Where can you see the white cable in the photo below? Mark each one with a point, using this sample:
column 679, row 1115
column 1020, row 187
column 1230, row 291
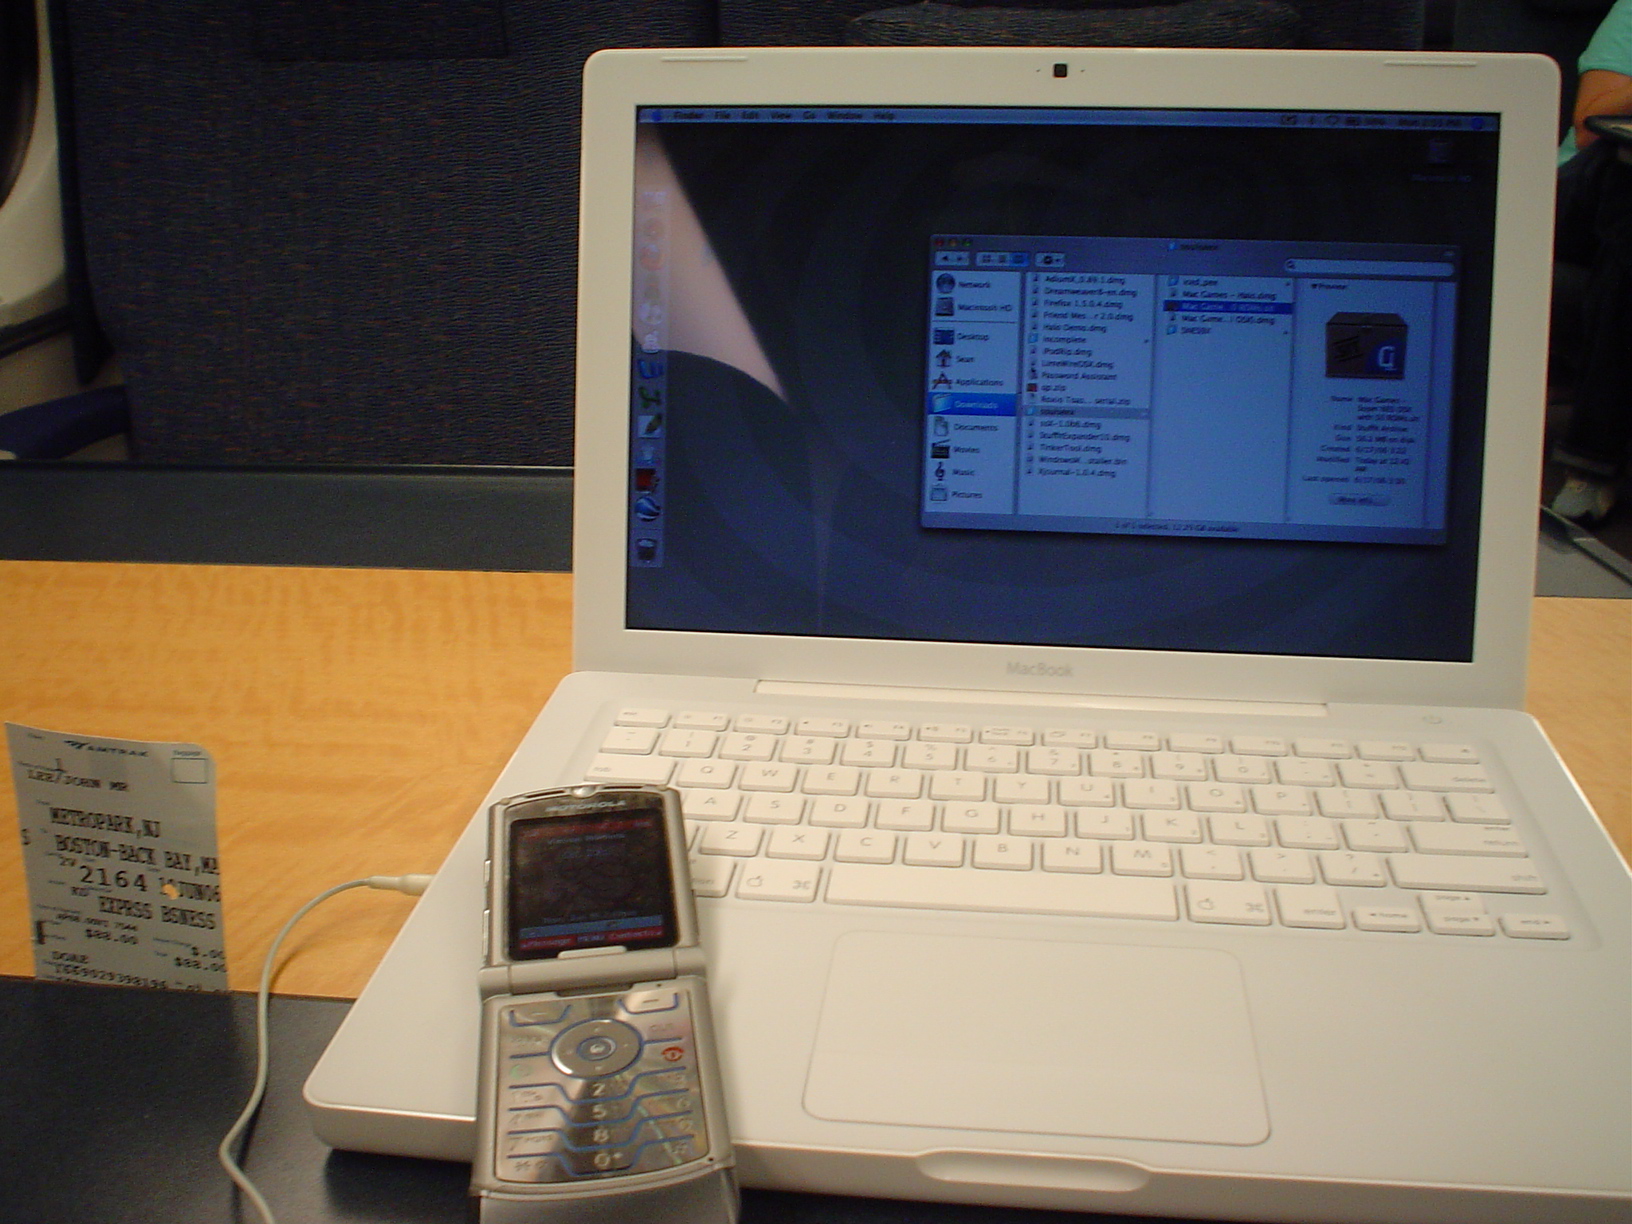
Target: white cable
column 410, row 884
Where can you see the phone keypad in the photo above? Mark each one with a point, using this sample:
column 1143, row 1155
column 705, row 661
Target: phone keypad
column 597, row 1086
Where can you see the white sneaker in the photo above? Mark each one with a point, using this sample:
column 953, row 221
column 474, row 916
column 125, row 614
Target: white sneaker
column 1584, row 499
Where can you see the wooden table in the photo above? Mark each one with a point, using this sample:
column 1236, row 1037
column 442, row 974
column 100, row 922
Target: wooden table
column 357, row 717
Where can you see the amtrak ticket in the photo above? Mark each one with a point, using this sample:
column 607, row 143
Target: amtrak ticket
column 119, row 848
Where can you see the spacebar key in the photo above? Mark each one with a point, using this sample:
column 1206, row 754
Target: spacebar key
column 1001, row 891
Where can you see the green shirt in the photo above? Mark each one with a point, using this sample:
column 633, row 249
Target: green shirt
column 1611, row 49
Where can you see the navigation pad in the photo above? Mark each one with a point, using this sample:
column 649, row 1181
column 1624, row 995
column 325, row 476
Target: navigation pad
column 598, row 1086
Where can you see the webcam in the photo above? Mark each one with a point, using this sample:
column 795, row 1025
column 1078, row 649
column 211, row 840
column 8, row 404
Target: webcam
column 1060, row 70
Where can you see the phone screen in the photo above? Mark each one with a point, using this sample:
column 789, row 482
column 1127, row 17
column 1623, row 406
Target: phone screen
column 593, row 878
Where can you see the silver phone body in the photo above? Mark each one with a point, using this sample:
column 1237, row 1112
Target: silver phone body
column 598, row 1096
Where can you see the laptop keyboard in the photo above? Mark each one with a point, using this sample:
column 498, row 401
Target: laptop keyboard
column 1244, row 830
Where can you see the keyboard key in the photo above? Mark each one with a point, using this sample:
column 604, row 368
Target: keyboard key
column 1461, row 924
column 1238, row 830
column 1002, row 853
column 711, row 875
column 1456, row 914
column 1467, row 839
column 864, row 846
column 774, row 809
column 895, row 783
column 1136, row 741
column 1056, row 762
column 609, row 767
column 1354, row 869
column 1211, row 863
column 932, row 850
column 635, row 716
column 1307, row 832
column 992, row 758
column 768, row 777
column 809, row 749
column 1282, row 866
column 839, row 813
column 1535, row 926
column 1314, row 908
column 798, row 843
column 1151, row 793
column 1113, row 824
column 1216, row 797
column 1346, row 804
column 778, row 881
column 1456, row 873
column 917, row 755
column 1179, row 766
column 1386, row 750
column 1141, row 859
column 1229, row 767
column 971, row 818
column 877, row 753
column 1382, row 836
column 1398, row 918
column 762, row 724
column 1019, row 789
column 884, row 730
column 1450, row 754
column 710, row 805
column 1115, row 763
column 716, row 774
column 1281, row 801
column 1331, row 749
column 1189, row 742
column 946, row 733
column 1033, row 820
column 639, row 740
column 1296, row 771
column 1077, row 856
column 913, row 816
column 1018, row 736
column 1368, row 775
column 1069, row 738
column 822, row 726
column 1412, row 805
column 1086, row 896
column 1238, row 904
column 694, row 720
column 1171, row 826
column 1087, row 792
column 1445, row 777
column 737, row 840
column 1258, row 745
column 957, row 785
column 832, row 780
column 687, row 743
column 1478, row 809
column 740, row 747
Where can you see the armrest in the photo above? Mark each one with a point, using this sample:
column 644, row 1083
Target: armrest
column 60, row 427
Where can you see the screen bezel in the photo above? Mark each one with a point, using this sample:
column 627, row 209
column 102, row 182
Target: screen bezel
column 1514, row 88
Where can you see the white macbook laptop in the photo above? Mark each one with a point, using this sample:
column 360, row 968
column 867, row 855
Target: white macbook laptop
column 1065, row 522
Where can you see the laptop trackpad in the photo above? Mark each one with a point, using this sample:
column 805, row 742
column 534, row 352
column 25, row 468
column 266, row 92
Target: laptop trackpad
column 1039, row 1038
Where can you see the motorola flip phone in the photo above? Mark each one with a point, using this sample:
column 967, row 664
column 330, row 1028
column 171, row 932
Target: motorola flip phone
column 598, row 1098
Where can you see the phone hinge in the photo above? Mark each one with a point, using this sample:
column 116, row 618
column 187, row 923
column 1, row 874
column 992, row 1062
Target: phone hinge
column 650, row 965
column 1059, row 701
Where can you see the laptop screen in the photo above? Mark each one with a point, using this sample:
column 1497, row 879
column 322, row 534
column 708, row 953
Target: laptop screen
column 1196, row 380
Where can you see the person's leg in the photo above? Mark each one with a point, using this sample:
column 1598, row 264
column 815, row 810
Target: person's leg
column 1595, row 221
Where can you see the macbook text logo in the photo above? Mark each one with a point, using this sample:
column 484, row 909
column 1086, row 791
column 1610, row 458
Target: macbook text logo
column 1039, row 669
